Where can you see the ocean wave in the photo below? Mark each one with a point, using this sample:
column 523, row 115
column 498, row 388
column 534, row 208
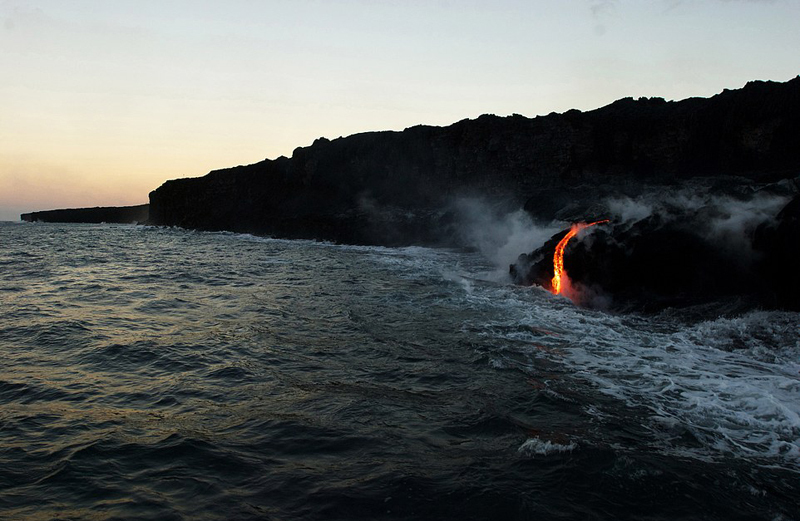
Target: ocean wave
column 538, row 447
column 729, row 385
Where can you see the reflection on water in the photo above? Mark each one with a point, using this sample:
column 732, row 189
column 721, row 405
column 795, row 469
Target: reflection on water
column 157, row 373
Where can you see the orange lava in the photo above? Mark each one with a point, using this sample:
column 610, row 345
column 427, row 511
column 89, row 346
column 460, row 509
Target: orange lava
column 558, row 256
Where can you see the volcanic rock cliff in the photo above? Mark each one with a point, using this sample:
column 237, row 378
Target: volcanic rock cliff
column 104, row 214
column 396, row 187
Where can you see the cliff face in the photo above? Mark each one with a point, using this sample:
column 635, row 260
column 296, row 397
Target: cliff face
column 111, row 214
column 395, row 187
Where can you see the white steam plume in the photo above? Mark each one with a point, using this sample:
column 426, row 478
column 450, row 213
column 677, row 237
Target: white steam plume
column 726, row 221
column 499, row 234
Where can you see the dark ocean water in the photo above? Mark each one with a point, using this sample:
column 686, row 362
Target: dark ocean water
column 165, row 374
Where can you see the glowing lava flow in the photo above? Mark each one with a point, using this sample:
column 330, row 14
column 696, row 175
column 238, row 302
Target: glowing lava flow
column 558, row 256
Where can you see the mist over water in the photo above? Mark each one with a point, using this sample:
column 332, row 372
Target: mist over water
column 498, row 233
column 168, row 374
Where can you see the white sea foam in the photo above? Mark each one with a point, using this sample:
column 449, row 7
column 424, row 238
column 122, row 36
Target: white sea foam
column 734, row 401
column 729, row 386
column 537, row 447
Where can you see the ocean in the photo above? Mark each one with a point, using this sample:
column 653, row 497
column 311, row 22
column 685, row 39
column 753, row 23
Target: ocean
column 157, row 373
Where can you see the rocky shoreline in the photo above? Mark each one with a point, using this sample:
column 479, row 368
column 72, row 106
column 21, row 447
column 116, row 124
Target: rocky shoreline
column 733, row 157
column 106, row 214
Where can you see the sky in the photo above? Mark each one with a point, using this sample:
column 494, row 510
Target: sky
column 102, row 101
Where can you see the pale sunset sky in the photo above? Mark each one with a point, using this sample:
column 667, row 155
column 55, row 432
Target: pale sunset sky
column 101, row 101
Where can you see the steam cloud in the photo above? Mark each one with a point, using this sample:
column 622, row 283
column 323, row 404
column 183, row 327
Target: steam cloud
column 726, row 221
column 499, row 233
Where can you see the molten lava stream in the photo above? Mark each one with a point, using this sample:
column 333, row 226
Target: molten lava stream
column 558, row 256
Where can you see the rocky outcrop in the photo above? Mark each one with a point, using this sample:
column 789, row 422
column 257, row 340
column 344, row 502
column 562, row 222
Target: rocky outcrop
column 739, row 252
column 395, row 187
column 779, row 243
column 109, row 214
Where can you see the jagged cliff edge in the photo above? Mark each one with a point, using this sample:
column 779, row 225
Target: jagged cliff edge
column 397, row 187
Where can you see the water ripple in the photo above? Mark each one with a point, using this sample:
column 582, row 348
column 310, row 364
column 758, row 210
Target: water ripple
column 164, row 374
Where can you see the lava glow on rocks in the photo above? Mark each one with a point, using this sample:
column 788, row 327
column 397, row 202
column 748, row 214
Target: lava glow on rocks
column 558, row 256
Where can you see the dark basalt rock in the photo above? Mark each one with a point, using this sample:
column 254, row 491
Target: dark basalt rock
column 672, row 259
column 396, row 187
column 109, row 214
column 780, row 244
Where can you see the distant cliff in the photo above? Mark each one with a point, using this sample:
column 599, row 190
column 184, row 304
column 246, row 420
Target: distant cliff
column 110, row 214
column 395, row 187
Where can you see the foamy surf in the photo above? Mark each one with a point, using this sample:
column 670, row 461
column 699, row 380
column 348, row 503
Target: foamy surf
column 537, row 447
column 721, row 388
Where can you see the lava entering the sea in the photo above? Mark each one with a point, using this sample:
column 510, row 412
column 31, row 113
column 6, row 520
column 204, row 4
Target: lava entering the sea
column 558, row 256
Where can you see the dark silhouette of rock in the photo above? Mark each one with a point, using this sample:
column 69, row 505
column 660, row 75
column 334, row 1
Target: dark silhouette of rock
column 110, row 214
column 396, row 187
column 678, row 257
column 780, row 243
